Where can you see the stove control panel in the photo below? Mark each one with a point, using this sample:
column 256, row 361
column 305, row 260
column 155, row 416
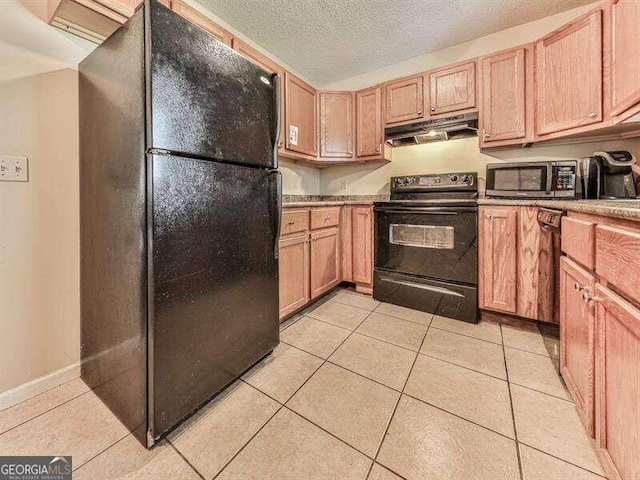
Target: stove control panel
column 435, row 182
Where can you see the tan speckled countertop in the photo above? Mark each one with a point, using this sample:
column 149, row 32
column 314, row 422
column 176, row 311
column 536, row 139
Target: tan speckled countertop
column 626, row 209
column 291, row 201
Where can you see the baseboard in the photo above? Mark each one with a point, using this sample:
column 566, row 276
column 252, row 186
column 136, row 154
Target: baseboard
column 35, row 387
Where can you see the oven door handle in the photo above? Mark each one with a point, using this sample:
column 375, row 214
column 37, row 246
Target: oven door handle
column 427, row 210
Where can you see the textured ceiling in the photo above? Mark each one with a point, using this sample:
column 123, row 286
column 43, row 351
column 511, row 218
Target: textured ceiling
column 330, row 40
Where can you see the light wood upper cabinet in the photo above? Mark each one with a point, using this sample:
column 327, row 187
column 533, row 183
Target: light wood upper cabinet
column 301, row 113
column 404, row 99
column 336, row 125
column 617, row 384
column 325, row 260
column 569, row 76
column 506, row 113
column 577, row 338
column 498, row 258
column 452, row 89
column 362, row 244
column 369, row 123
column 202, row 21
column 625, row 59
column 293, row 273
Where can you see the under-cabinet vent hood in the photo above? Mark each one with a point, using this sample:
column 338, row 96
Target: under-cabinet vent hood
column 449, row 128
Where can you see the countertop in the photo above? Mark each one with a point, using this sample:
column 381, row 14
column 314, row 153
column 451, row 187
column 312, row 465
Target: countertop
column 292, row 201
column 625, row 209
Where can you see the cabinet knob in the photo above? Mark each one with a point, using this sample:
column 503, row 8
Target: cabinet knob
column 367, row 213
column 579, row 286
column 489, row 216
column 586, row 298
column 487, row 135
column 378, row 148
column 433, row 109
column 419, row 112
column 593, row 114
column 292, row 222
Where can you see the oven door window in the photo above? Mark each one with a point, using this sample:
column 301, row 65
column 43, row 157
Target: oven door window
column 422, row 236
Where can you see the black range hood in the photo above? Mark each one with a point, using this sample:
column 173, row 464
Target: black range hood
column 437, row 130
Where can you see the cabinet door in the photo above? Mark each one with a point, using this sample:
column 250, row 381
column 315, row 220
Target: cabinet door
column 625, row 60
column 300, row 116
column 577, row 336
column 325, row 260
column 507, row 97
column 370, row 135
column 405, row 99
column 336, row 125
column 201, row 20
column 268, row 65
column 362, row 245
column 569, row 75
column 293, row 273
column 452, row 89
column 618, row 384
column 498, row 258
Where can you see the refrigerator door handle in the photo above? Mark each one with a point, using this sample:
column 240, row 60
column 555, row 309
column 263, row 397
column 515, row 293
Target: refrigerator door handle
column 277, row 215
column 276, row 81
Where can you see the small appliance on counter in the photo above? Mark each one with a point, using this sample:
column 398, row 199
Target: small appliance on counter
column 426, row 245
column 552, row 179
column 609, row 175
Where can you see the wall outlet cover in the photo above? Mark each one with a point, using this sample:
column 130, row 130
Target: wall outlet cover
column 343, row 184
column 14, row 169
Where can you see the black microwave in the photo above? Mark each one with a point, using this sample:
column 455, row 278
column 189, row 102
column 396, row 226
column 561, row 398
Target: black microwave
column 555, row 179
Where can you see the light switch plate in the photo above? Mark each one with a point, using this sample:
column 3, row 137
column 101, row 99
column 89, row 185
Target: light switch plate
column 14, row 169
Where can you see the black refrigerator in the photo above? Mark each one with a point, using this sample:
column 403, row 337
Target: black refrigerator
column 180, row 208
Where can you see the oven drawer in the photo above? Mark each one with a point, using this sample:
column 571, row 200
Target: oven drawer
column 427, row 295
column 431, row 242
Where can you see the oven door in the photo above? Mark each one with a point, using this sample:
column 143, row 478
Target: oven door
column 436, row 242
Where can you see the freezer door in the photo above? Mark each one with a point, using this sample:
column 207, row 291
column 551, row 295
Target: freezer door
column 206, row 100
column 214, row 295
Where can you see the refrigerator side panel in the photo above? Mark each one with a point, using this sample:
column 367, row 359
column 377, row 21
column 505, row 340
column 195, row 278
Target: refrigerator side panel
column 215, row 280
column 113, row 287
column 207, row 100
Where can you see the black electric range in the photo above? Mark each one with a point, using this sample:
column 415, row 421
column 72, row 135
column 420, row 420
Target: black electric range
column 426, row 245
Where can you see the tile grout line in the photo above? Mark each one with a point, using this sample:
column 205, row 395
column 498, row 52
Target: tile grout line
column 513, row 414
column 185, row 459
column 561, row 459
column 393, row 414
column 103, row 450
column 283, row 405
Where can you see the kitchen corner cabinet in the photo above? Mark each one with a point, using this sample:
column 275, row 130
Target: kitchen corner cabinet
column 452, row 89
column 362, row 245
column 404, row 100
column 369, row 124
column 325, row 260
column 569, row 76
column 624, row 58
column 577, row 338
column 301, row 117
column 617, row 384
column 497, row 257
column 506, row 110
column 293, row 273
column 336, row 125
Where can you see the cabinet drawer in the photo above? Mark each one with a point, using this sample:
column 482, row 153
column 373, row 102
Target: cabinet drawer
column 578, row 240
column 294, row 221
column 325, row 217
column 618, row 258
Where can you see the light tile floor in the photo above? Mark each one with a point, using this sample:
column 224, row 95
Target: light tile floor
column 357, row 389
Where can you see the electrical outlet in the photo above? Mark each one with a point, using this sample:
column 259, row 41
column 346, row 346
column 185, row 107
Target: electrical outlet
column 343, row 184
column 14, row 169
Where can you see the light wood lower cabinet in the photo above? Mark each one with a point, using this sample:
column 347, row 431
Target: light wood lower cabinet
column 293, row 273
column 362, row 245
column 498, row 258
column 618, row 384
column 325, row 261
column 577, row 337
